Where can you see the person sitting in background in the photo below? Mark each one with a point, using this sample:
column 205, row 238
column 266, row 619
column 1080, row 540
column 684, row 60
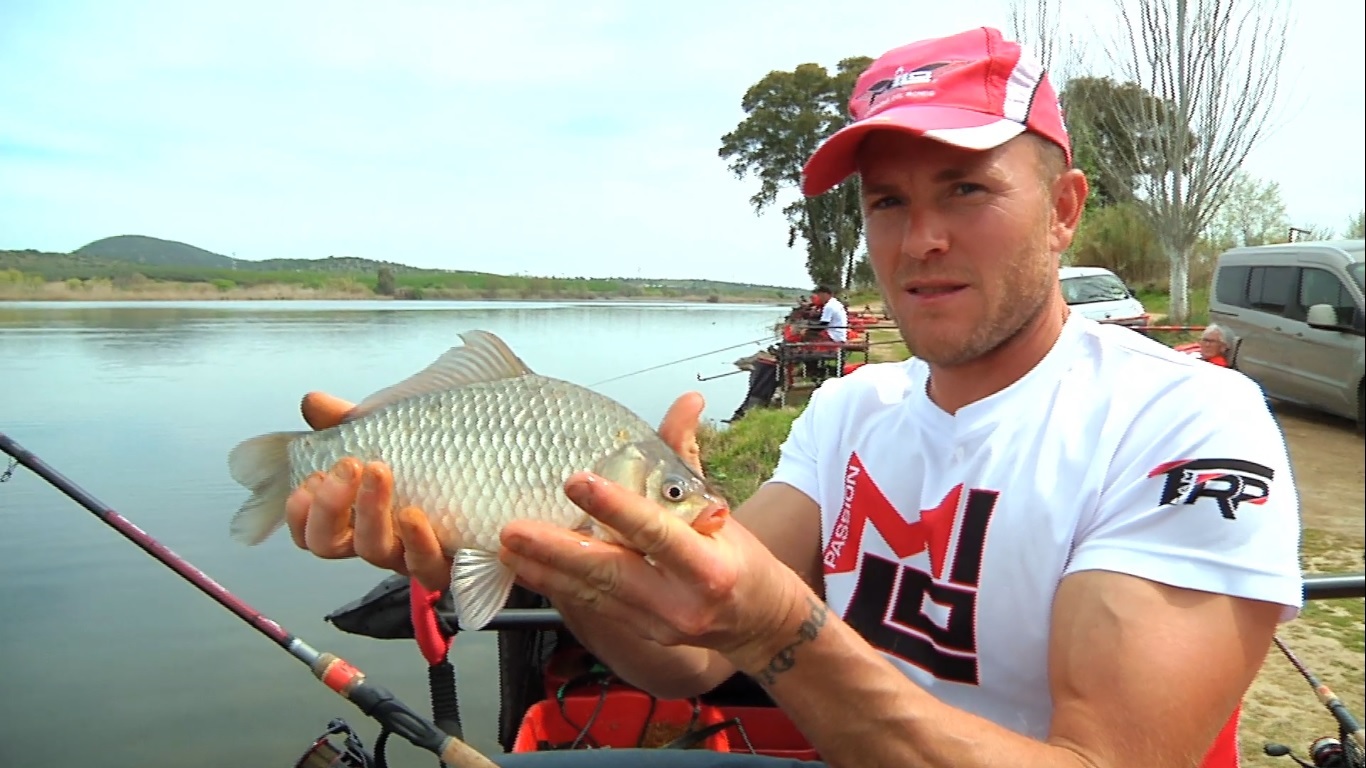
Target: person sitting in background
column 1213, row 346
column 763, row 383
column 834, row 322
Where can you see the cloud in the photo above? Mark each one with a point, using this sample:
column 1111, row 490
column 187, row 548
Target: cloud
column 532, row 137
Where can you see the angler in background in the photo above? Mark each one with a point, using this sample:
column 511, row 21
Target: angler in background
column 833, row 323
column 1042, row 541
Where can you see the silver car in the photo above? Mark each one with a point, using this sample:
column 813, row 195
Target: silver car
column 1295, row 315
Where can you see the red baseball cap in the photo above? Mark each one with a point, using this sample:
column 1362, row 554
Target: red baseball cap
column 974, row 90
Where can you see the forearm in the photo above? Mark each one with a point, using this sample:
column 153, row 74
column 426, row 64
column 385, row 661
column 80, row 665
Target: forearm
column 818, row 665
column 669, row 672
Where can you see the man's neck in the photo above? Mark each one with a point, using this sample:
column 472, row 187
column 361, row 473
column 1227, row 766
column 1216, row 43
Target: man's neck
column 954, row 387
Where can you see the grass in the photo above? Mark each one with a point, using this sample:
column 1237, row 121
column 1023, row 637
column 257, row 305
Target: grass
column 739, row 458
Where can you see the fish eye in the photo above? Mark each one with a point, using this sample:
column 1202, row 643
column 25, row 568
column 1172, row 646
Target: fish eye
column 673, row 490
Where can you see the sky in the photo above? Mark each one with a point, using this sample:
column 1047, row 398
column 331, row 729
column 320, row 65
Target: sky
column 520, row 137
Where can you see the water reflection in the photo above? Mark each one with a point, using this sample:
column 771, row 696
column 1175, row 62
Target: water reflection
column 139, row 403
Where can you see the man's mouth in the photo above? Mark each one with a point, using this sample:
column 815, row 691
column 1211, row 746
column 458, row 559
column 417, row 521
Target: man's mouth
column 934, row 290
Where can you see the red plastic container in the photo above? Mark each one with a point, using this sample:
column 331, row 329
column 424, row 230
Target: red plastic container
column 620, row 723
column 770, row 732
column 573, row 665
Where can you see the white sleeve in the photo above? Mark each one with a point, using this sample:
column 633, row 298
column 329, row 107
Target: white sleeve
column 1202, row 499
column 798, row 457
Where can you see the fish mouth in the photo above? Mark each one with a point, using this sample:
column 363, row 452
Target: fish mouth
column 711, row 518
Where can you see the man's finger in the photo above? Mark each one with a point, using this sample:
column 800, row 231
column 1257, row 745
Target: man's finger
column 328, row 531
column 423, row 556
column 322, row 411
column 679, row 428
column 297, row 507
column 642, row 524
column 558, row 562
column 375, row 540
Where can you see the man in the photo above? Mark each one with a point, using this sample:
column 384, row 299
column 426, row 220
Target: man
column 1041, row 542
column 834, row 318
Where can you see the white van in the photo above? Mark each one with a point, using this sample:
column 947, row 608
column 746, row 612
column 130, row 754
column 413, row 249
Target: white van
column 1296, row 319
column 1099, row 294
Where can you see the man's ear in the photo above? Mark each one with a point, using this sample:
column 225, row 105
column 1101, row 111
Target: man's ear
column 1070, row 191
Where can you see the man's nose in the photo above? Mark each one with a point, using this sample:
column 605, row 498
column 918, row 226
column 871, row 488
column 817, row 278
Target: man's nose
column 925, row 234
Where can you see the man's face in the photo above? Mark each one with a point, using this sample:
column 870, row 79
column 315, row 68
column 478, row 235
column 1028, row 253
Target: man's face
column 964, row 244
column 819, row 299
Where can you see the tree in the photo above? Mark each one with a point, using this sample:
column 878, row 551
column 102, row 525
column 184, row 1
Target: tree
column 1253, row 213
column 1113, row 127
column 1356, row 227
column 787, row 116
column 385, row 285
column 1217, row 62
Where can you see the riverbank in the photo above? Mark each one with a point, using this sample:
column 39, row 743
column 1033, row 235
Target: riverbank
column 104, row 290
column 1327, row 636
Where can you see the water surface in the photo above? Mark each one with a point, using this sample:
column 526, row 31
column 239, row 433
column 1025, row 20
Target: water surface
column 108, row 657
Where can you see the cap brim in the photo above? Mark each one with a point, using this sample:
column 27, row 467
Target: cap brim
column 834, row 160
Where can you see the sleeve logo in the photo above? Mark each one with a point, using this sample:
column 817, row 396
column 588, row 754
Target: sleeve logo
column 1229, row 482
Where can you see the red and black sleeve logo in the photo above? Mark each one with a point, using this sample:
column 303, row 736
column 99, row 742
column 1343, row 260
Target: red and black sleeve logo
column 1229, row 482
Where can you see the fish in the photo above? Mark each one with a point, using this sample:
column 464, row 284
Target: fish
column 476, row 440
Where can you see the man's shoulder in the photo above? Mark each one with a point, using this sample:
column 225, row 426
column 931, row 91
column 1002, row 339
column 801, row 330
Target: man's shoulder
column 1147, row 374
column 871, row 384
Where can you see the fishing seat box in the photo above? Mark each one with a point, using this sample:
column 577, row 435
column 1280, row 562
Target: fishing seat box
column 769, row 732
column 618, row 718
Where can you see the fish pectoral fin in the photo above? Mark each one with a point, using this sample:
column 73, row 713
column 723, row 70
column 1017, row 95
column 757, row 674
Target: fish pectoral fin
column 480, row 585
column 484, row 357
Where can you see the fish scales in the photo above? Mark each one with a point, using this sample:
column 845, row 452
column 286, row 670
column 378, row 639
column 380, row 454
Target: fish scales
column 475, row 458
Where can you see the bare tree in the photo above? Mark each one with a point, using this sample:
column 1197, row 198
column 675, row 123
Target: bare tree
column 1036, row 24
column 1212, row 67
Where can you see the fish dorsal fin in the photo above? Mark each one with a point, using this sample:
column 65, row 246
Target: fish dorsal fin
column 484, row 357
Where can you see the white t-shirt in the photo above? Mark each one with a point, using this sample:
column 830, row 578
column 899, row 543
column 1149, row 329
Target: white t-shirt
column 832, row 312
column 945, row 537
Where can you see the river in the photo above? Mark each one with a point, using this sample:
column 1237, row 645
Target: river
column 109, row 658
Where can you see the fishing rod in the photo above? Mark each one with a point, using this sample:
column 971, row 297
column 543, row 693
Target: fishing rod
column 1316, row 587
column 700, row 377
column 759, row 340
column 335, row 672
column 1346, row 751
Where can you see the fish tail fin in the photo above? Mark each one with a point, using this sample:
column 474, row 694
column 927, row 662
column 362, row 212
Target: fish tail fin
column 480, row 585
column 261, row 463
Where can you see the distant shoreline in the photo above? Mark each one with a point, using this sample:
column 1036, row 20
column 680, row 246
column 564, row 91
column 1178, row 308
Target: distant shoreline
column 58, row 292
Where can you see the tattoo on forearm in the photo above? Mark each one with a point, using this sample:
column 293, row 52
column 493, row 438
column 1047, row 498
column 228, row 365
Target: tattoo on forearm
column 786, row 658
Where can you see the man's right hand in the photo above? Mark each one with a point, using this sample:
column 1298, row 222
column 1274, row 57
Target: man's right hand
column 319, row 512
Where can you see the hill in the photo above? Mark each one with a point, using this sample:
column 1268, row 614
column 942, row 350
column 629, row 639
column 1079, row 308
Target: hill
column 128, row 262
column 140, row 249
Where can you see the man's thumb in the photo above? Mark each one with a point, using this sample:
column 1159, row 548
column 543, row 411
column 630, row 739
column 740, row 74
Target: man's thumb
column 679, row 428
column 323, row 411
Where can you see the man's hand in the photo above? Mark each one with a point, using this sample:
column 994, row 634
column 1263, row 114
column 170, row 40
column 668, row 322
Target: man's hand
column 320, row 511
column 725, row 591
